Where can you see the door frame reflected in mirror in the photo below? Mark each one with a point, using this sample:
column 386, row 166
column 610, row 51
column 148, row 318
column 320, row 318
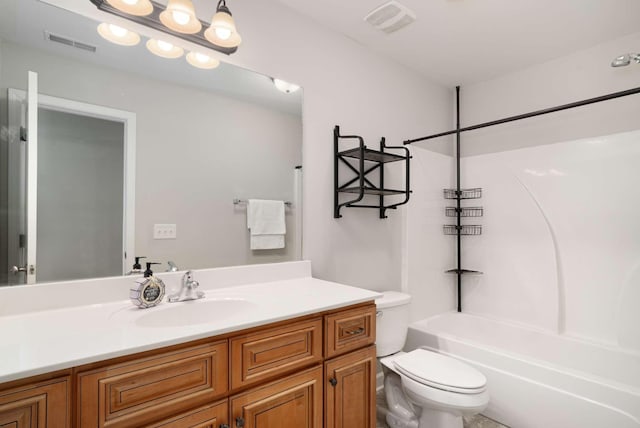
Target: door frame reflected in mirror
column 22, row 226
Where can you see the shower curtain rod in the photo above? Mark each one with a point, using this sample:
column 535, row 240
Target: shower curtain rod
column 531, row 114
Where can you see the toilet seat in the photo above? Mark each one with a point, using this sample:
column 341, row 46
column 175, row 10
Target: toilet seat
column 440, row 371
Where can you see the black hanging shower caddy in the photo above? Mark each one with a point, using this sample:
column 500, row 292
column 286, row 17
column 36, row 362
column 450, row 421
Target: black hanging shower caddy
column 363, row 161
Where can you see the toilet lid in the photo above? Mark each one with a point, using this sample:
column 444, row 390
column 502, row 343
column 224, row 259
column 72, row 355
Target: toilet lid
column 440, row 371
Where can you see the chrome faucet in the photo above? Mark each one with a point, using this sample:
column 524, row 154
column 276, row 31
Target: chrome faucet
column 187, row 289
column 172, row 267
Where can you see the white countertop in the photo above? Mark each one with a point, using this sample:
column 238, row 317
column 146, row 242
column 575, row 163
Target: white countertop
column 38, row 342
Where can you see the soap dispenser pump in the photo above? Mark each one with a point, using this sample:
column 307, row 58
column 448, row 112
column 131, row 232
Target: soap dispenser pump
column 148, row 291
column 137, row 268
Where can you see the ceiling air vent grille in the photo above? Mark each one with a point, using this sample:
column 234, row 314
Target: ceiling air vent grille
column 390, row 17
column 68, row 41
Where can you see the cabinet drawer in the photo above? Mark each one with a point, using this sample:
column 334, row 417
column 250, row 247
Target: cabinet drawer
column 135, row 393
column 37, row 405
column 266, row 354
column 212, row 416
column 349, row 330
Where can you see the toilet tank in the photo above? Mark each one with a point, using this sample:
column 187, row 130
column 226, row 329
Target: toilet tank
column 392, row 322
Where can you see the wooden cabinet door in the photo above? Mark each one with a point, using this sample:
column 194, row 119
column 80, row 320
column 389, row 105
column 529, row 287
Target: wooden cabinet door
column 350, row 390
column 294, row 402
column 211, row 416
column 38, row 405
column 144, row 390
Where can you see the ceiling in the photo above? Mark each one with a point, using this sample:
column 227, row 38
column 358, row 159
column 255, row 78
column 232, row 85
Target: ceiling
column 466, row 41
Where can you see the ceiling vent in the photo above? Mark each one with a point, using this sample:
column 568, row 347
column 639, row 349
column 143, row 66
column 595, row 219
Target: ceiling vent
column 390, row 17
column 69, row 42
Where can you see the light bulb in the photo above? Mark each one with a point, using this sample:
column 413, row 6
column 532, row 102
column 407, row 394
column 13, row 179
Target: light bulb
column 180, row 17
column 118, row 35
column 201, row 60
column 117, row 31
column 165, row 46
column 164, row 49
column 133, row 7
column 223, row 33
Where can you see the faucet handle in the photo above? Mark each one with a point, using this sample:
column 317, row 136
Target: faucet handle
column 188, row 281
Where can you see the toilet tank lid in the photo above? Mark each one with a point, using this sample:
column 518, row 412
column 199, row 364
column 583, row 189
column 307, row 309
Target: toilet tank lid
column 390, row 299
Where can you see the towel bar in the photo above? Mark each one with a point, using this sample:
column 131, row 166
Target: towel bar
column 237, row 201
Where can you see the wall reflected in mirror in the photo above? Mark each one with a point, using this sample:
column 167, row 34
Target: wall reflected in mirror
column 203, row 138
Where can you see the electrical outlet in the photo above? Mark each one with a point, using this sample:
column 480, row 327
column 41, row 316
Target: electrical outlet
column 164, row 231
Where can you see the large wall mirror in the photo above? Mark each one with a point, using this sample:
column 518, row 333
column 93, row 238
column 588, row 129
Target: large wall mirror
column 114, row 122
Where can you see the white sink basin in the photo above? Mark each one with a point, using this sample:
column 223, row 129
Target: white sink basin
column 194, row 312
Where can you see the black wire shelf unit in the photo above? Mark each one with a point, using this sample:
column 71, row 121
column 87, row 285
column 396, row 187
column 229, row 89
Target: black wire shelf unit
column 475, row 193
column 464, row 211
column 362, row 161
column 465, row 229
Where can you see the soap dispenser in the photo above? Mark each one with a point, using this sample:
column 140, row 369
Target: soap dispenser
column 137, row 268
column 148, row 290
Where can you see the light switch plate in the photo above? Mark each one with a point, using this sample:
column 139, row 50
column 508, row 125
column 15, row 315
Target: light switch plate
column 164, row 231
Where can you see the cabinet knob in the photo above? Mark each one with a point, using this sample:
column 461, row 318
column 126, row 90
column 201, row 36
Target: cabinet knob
column 224, row 426
column 333, row 381
column 359, row 330
column 239, row 422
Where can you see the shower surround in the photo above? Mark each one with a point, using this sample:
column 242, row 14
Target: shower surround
column 560, row 248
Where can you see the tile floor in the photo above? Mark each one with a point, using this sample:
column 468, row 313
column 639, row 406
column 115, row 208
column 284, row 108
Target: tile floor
column 477, row 421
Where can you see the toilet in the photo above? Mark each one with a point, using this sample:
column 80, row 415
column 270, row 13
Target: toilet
column 424, row 389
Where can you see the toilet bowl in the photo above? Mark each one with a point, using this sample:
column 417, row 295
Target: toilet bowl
column 424, row 389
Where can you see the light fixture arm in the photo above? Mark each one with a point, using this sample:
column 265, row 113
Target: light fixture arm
column 222, row 7
column 153, row 21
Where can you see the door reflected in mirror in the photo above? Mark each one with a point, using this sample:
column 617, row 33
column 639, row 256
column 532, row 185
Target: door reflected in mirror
column 202, row 139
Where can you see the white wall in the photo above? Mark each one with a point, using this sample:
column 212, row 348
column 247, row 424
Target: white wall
column 429, row 253
column 365, row 94
column 560, row 242
column 581, row 75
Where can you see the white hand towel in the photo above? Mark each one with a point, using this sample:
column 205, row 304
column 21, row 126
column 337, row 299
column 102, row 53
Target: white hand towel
column 266, row 221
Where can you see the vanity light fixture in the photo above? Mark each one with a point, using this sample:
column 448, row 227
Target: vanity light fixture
column 285, row 87
column 118, row 35
column 222, row 31
column 178, row 18
column 164, row 49
column 201, row 60
column 133, row 7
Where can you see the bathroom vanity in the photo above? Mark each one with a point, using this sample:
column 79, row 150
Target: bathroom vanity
column 307, row 361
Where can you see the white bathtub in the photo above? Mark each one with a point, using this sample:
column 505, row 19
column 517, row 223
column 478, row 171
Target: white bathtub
column 537, row 379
